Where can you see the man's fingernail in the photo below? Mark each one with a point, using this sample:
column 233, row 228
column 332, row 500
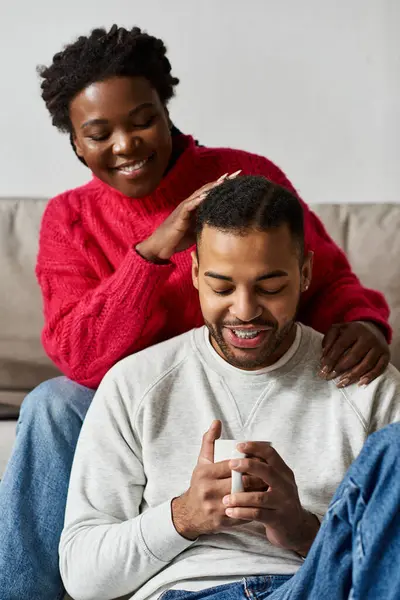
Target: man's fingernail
column 222, row 177
column 226, row 499
column 229, row 512
column 325, row 370
column 241, row 447
column 235, row 174
column 343, row 382
column 363, row 382
column 234, row 464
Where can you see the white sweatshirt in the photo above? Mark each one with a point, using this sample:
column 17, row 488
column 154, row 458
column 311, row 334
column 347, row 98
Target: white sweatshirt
column 140, row 443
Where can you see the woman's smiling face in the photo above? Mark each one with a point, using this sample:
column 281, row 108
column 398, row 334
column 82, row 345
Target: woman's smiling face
column 121, row 129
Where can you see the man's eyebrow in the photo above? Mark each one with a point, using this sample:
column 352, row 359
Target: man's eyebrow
column 271, row 275
column 131, row 113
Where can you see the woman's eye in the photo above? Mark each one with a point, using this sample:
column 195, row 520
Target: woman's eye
column 222, row 292
column 147, row 123
column 98, row 137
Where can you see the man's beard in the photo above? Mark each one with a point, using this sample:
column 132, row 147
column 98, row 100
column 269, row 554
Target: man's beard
column 275, row 338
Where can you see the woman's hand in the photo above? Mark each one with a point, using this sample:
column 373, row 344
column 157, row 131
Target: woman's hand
column 356, row 351
column 176, row 233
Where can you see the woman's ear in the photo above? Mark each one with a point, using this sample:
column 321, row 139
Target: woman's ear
column 170, row 124
column 76, row 145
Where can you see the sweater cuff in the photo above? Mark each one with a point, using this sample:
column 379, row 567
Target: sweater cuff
column 159, row 534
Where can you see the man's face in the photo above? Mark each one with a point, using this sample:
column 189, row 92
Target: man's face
column 249, row 287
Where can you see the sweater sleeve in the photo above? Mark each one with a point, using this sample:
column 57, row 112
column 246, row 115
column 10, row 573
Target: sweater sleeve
column 109, row 548
column 93, row 316
column 335, row 294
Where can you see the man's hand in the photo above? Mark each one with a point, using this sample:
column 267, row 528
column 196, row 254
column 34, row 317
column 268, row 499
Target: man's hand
column 287, row 524
column 357, row 351
column 200, row 509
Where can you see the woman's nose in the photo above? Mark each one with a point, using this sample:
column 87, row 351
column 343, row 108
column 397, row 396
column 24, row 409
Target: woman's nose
column 125, row 143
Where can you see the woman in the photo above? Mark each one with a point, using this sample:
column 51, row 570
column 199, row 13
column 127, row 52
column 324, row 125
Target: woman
column 114, row 269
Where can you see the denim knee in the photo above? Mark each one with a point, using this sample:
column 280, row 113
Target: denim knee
column 54, row 400
column 387, row 439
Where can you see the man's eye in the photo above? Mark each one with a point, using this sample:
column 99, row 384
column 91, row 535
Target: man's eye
column 222, row 292
column 271, row 292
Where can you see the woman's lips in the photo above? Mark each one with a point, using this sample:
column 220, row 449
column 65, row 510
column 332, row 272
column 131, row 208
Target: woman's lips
column 135, row 168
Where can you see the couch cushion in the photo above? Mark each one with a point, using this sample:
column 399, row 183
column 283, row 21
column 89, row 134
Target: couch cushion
column 23, row 363
column 369, row 234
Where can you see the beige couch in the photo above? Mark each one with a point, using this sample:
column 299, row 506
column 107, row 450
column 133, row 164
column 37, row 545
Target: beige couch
column 368, row 233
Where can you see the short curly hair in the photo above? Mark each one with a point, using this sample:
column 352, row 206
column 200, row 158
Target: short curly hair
column 102, row 54
column 251, row 202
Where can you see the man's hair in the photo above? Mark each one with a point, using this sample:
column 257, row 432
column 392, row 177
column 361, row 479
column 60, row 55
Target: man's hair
column 251, row 202
column 97, row 57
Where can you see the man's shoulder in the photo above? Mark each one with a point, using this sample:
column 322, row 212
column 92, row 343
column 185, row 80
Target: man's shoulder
column 143, row 369
column 378, row 403
column 311, row 344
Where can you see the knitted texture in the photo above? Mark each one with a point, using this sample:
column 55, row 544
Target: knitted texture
column 103, row 301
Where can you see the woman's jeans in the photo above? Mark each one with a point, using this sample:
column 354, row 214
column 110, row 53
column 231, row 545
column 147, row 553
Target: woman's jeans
column 33, row 492
column 355, row 555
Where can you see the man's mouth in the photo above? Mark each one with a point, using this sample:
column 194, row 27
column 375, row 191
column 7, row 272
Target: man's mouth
column 246, row 334
column 246, row 337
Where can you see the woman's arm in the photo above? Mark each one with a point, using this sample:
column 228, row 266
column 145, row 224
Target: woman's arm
column 94, row 316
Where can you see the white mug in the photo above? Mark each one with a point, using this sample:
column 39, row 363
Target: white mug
column 226, row 450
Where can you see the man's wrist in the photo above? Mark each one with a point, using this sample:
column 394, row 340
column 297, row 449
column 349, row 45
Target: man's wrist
column 181, row 519
column 309, row 529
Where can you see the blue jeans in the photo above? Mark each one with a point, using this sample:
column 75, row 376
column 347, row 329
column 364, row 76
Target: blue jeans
column 356, row 552
column 354, row 555
column 34, row 490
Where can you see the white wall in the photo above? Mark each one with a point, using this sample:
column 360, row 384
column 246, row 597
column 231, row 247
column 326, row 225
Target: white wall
column 313, row 84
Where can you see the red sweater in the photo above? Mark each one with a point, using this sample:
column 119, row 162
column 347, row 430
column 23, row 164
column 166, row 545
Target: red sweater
column 102, row 301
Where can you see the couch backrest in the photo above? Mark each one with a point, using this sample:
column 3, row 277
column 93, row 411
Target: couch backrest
column 368, row 234
column 23, row 363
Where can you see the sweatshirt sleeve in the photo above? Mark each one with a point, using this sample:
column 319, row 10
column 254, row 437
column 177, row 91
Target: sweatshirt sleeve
column 335, row 294
column 107, row 548
column 384, row 392
column 93, row 316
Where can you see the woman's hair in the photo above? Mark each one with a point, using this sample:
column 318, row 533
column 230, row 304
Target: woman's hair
column 251, row 202
column 101, row 55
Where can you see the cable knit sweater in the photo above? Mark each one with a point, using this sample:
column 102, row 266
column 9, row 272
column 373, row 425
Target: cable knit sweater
column 103, row 301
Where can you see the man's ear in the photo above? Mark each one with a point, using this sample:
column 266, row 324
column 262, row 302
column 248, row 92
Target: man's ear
column 195, row 269
column 306, row 271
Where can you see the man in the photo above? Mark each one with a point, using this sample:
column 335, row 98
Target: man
column 148, row 514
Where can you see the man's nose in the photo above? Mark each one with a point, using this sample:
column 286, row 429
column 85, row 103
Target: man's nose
column 246, row 307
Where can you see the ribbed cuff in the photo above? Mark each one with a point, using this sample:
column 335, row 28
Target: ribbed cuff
column 159, row 535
